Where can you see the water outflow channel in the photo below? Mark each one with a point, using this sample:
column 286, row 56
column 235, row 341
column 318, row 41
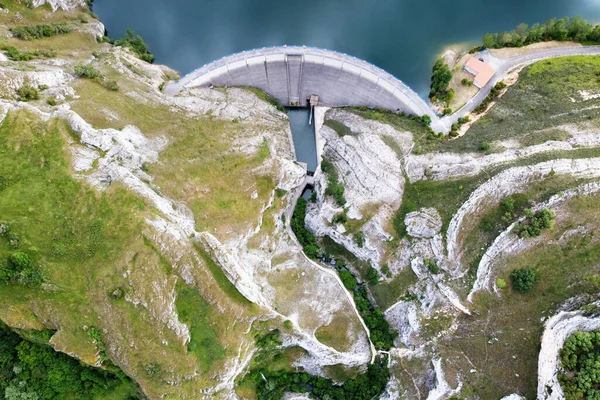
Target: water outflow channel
column 303, row 132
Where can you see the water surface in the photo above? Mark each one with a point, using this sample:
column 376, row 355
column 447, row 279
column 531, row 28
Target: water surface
column 401, row 36
column 304, row 136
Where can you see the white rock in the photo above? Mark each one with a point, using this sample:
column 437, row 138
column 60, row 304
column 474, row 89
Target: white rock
column 425, row 223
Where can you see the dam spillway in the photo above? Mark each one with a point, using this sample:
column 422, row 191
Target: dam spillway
column 291, row 74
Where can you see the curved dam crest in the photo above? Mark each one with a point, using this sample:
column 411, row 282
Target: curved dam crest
column 291, row 74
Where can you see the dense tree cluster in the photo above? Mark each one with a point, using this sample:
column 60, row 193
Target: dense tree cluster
column 31, row 32
column 439, row 82
column 30, row 370
column 334, row 187
column 381, row 335
column 562, row 29
column 535, row 222
column 305, row 237
column 580, row 361
column 19, row 268
column 136, row 44
column 273, row 384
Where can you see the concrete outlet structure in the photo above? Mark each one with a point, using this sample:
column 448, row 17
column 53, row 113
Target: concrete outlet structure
column 293, row 74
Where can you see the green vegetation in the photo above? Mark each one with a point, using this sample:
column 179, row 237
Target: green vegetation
column 535, row 222
column 521, row 113
column 222, row 281
column 500, row 283
column 334, row 187
column 195, row 312
column 307, row 240
column 31, row 369
column 20, row 269
column 359, row 238
column 136, row 44
column 445, row 196
column 563, row 29
column 88, row 71
column 439, row 82
column 388, row 293
column 338, row 127
column 16, row 55
column 417, row 125
column 348, row 280
column 494, row 94
column 31, row 32
column 431, row 266
column 273, row 384
column 523, row 279
column 580, row 361
column 268, row 98
column 381, row 335
column 373, row 276
column 27, row 93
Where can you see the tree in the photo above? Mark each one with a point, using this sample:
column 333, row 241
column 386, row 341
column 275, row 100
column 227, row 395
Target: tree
column 523, row 279
column 137, row 45
column 373, row 276
column 489, row 40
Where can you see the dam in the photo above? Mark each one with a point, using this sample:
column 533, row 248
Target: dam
column 291, row 74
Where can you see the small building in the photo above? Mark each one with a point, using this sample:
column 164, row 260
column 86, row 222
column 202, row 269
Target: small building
column 482, row 71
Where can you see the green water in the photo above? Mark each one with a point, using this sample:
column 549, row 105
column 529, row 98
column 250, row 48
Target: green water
column 303, row 131
column 400, row 36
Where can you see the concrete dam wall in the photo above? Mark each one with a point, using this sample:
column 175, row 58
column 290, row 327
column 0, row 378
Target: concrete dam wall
column 293, row 74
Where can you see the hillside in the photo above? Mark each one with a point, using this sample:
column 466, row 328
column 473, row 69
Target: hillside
column 149, row 246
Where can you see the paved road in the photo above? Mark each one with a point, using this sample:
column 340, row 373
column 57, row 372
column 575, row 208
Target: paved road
column 403, row 93
column 502, row 65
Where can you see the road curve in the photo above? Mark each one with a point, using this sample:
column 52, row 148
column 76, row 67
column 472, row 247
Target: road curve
column 292, row 73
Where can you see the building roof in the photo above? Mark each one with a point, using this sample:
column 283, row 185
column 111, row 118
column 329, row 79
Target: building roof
column 482, row 71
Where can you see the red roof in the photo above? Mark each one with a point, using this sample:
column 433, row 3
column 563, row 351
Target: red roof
column 483, row 72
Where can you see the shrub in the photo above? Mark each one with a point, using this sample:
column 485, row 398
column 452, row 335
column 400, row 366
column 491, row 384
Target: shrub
column 117, row 294
column 431, row 266
column 484, row 146
column 360, row 239
column 27, row 93
column 500, row 283
column 136, row 44
column 31, row 32
column 51, row 101
column 523, row 279
column 87, row 71
column 334, row 188
column 373, row 276
column 340, row 218
column 348, row 279
column 535, row 222
column 19, row 261
column 494, row 93
column 111, row 84
column 14, row 54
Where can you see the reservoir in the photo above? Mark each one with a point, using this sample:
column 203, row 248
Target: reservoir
column 401, row 36
column 303, row 132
